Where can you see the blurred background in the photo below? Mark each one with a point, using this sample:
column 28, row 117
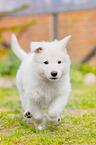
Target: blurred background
column 48, row 20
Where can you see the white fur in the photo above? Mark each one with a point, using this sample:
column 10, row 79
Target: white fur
column 16, row 48
column 35, row 83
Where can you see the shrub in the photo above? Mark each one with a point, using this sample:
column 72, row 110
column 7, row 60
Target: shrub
column 9, row 68
column 78, row 71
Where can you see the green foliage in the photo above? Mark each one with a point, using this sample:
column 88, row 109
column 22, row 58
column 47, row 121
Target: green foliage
column 76, row 76
column 9, row 68
column 78, row 71
column 1, row 37
column 87, row 69
column 78, row 124
column 84, row 68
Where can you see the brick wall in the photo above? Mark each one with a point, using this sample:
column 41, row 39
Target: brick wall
column 36, row 32
column 82, row 26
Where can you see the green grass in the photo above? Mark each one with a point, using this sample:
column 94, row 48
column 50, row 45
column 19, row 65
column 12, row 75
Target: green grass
column 78, row 125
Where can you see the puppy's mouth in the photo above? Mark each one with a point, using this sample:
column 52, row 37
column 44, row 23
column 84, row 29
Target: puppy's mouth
column 53, row 78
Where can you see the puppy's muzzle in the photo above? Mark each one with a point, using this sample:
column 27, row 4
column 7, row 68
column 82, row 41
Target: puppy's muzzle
column 54, row 75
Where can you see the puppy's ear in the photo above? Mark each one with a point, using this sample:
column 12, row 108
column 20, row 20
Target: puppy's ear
column 38, row 50
column 65, row 41
column 36, row 47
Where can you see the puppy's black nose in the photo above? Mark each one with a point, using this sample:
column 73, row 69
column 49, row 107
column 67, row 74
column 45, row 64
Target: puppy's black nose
column 54, row 73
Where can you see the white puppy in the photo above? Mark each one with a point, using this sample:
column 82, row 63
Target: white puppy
column 43, row 79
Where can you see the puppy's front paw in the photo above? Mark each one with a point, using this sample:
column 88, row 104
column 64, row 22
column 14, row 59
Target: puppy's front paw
column 27, row 114
column 54, row 120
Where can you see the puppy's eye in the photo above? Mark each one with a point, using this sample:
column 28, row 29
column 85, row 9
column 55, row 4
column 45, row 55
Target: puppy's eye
column 46, row 62
column 59, row 61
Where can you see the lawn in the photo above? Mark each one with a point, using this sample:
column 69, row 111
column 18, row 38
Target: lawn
column 78, row 125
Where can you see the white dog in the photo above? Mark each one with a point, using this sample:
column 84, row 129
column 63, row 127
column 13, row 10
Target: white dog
column 43, row 79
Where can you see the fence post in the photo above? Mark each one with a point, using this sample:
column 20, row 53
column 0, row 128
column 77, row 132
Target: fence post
column 55, row 26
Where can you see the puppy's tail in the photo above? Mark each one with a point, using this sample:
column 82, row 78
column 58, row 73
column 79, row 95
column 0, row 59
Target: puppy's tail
column 17, row 49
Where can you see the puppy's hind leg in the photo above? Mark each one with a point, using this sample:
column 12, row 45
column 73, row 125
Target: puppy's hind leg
column 21, row 90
